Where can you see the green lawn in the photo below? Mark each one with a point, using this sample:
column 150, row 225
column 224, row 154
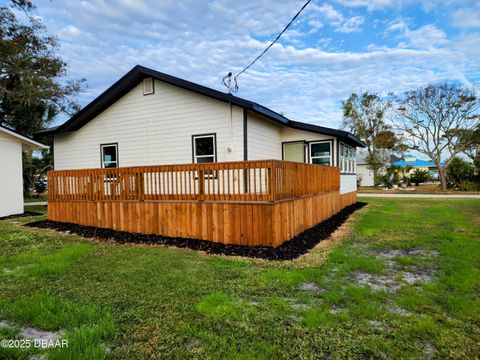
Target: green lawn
column 402, row 280
column 36, row 198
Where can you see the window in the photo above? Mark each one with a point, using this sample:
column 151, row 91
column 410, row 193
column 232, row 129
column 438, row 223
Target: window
column 294, row 151
column 321, row 153
column 109, row 155
column 347, row 158
column 204, row 148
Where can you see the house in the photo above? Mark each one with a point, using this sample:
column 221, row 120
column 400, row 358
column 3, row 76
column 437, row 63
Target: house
column 11, row 181
column 151, row 118
column 411, row 162
column 153, row 149
column 365, row 175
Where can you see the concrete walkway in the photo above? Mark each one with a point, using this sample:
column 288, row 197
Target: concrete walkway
column 40, row 203
column 419, row 196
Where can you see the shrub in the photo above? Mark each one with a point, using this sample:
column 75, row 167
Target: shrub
column 419, row 176
column 406, row 180
column 40, row 187
column 459, row 171
column 468, row 185
column 359, row 180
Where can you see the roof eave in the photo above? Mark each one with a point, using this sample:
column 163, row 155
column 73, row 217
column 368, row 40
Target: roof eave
column 25, row 140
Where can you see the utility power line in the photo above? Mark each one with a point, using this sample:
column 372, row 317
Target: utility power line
column 227, row 80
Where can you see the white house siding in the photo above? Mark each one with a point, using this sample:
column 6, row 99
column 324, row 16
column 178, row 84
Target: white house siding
column 348, row 183
column 264, row 139
column 153, row 129
column 289, row 134
column 11, row 189
column 366, row 175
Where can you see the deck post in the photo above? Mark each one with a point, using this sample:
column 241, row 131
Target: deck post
column 201, row 184
column 272, row 180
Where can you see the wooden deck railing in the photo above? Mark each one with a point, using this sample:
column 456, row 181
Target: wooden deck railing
column 265, row 180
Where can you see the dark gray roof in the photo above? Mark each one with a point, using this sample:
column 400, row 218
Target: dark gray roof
column 138, row 73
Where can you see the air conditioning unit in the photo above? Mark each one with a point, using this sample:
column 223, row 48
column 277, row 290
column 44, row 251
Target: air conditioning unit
column 148, row 86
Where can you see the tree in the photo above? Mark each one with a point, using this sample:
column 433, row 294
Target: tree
column 430, row 119
column 469, row 140
column 364, row 116
column 33, row 84
column 33, row 89
column 34, row 172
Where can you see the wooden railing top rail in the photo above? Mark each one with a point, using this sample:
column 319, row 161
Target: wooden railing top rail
column 255, row 180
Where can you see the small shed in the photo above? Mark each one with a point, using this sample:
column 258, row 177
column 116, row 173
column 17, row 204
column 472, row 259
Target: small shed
column 11, row 180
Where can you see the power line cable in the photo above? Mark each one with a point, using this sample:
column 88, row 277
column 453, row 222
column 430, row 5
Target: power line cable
column 228, row 77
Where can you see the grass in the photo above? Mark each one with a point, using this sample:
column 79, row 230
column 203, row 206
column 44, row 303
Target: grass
column 429, row 188
column 135, row 302
column 36, row 198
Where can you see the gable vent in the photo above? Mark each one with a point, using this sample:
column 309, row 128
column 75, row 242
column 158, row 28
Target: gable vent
column 148, row 86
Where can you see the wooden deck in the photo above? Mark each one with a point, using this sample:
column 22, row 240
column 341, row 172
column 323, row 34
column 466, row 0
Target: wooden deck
column 247, row 203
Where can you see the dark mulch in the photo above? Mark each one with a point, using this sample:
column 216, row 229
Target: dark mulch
column 289, row 250
column 25, row 214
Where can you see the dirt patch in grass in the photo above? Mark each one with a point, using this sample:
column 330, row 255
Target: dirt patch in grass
column 389, row 254
column 290, row 250
column 43, row 338
column 25, row 214
column 396, row 275
column 310, row 287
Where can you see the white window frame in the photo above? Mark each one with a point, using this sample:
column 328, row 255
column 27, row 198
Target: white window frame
column 347, row 159
column 330, row 157
column 103, row 146
column 194, row 150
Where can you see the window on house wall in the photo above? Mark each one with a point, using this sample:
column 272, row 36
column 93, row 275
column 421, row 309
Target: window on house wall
column 321, row 153
column 109, row 155
column 294, row 151
column 204, row 148
column 347, row 158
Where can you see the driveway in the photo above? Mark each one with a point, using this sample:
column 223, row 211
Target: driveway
column 419, row 196
column 40, row 203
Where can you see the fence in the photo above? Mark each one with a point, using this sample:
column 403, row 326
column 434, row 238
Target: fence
column 246, row 203
column 268, row 180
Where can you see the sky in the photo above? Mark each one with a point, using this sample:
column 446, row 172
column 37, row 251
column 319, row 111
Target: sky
column 334, row 48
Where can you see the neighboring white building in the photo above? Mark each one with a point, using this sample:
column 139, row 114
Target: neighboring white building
column 364, row 174
column 151, row 118
column 11, row 180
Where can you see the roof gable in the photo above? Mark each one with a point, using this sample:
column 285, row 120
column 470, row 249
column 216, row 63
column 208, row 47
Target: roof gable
column 138, row 73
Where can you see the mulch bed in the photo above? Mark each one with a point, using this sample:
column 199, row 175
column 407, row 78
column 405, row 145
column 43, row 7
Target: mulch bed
column 289, row 250
column 25, row 214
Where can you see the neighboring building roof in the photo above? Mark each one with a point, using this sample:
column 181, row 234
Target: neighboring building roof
column 394, row 158
column 416, row 163
column 138, row 73
column 26, row 141
column 361, row 157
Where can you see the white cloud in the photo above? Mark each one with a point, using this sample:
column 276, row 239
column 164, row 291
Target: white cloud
column 338, row 20
column 369, row 4
column 201, row 42
column 467, row 18
column 351, row 25
column 397, row 25
column 428, row 36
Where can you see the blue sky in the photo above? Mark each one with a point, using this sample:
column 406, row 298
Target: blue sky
column 336, row 47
